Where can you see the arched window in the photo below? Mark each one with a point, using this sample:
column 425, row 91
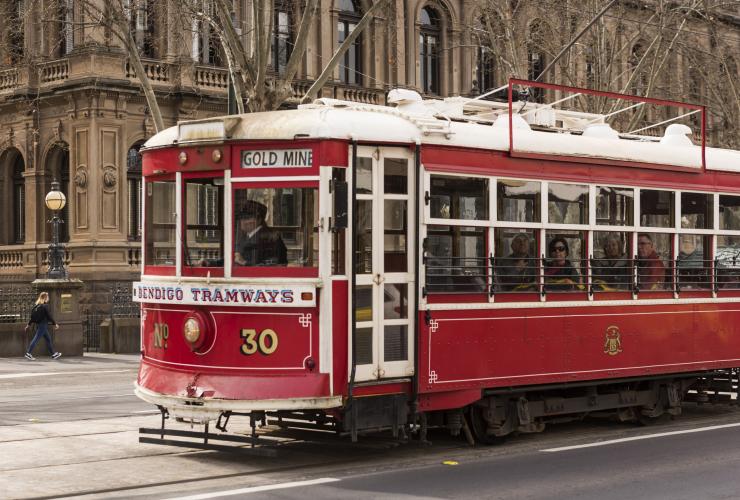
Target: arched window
column 484, row 37
column 350, row 69
column 429, row 50
column 133, row 177
column 536, row 56
column 142, row 16
column 65, row 21
column 19, row 201
column 282, row 36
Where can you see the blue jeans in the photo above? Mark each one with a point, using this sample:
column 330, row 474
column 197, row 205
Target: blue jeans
column 42, row 331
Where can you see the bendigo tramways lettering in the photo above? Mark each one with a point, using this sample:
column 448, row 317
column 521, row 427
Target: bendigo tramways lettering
column 266, row 342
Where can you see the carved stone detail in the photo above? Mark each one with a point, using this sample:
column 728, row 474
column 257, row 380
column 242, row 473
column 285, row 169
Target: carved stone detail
column 109, row 178
column 81, row 178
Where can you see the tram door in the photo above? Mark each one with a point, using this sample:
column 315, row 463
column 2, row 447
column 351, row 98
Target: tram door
column 385, row 242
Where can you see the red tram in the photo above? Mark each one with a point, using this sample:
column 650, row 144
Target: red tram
column 485, row 266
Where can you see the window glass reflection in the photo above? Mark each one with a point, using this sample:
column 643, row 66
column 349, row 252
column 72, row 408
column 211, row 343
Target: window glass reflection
column 518, row 201
column 516, row 265
column 160, row 223
column 728, row 262
column 458, row 198
column 697, row 211
column 567, row 204
column 456, row 259
column 614, row 206
column 611, row 266
column 656, row 208
column 729, row 212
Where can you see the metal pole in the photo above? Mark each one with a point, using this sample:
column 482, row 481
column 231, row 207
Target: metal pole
column 56, row 251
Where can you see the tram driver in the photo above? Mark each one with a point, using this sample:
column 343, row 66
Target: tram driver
column 257, row 244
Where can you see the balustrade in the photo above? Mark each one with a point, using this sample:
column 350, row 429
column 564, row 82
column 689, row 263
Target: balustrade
column 8, row 79
column 155, row 71
column 211, row 77
column 54, row 71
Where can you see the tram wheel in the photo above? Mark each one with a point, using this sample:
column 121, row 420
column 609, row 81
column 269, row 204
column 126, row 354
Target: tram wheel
column 479, row 427
column 646, row 421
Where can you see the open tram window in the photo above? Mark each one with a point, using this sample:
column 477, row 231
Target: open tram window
column 612, row 263
column 565, row 264
column 456, row 260
column 694, row 265
column 729, row 212
column 697, row 211
column 728, row 262
column 460, row 198
column 654, row 261
column 204, row 225
column 275, row 227
column 517, row 266
column 518, row 201
column 160, row 223
column 656, row 208
column 567, row 203
column 614, row 206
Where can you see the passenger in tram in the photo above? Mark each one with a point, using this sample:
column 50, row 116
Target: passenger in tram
column 257, row 244
column 613, row 271
column 651, row 271
column 560, row 275
column 692, row 271
column 518, row 271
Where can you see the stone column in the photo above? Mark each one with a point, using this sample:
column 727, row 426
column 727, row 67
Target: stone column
column 64, row 305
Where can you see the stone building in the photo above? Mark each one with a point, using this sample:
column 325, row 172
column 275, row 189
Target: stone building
column 72, row 108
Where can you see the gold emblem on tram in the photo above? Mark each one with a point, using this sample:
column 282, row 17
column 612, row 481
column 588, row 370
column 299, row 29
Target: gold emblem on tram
column 613, row 344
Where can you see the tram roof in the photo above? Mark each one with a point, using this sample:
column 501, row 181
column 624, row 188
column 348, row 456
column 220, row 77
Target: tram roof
column 455, row 122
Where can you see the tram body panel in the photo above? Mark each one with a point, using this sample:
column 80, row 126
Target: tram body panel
column 547, row 345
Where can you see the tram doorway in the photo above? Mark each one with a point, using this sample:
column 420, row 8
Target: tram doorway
column 385, row 245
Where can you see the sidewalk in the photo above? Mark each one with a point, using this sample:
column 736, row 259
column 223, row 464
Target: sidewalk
column 90, row 362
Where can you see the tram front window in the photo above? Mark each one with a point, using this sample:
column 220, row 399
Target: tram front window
column 204, row 231
column 160, row 220
column 275, row 227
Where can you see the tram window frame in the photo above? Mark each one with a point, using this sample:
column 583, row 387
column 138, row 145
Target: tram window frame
column 150, row 221
column 562, row 283
column 207, row 264
column 583, row 200
column 606, row 273
column 691, row 218
column 693, row 272
column 727, row 260
column 501, row 200
column 645, row 195
column 512, row 271
column 481, row 216
column 457, row 280
column 728, row 212
column 312, row 246
column 667, row 261
column 609, row 205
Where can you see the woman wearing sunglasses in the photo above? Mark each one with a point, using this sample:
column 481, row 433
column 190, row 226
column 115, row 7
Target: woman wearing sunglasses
column 560, row 275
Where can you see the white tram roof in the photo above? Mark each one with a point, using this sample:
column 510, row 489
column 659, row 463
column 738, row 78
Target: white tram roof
column 458, row 122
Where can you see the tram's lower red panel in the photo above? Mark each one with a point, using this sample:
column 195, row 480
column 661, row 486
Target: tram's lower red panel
column 250, row 387
column 464, row 351
column 247, row 353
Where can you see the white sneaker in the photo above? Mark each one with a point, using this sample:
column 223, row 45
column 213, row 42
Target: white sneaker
column 56, row 355
column 29, row 357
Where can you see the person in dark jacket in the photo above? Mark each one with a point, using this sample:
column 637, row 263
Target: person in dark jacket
column 560, row 275
column 257, row 244
column 41, row 317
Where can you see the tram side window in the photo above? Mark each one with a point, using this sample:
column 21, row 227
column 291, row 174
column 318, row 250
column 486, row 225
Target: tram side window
column 275, row 227
column 729, row 212
column 567, row 203
column 518, row 201
column 338, row 235
column 654, row 261
column 614, row 206
column 204, row 225
column 656, row 208
column 611, row 266
column 456, row 259
column 694, row 264
column 697, row 211
column 458, row 198
column 565, row 261
column 517, row 267
column 160, row 222
column 728, row 262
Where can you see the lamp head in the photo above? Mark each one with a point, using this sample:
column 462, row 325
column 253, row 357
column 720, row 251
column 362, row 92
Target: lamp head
column 55, row 199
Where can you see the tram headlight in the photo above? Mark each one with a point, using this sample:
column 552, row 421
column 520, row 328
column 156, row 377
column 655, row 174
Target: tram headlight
column 195, row 330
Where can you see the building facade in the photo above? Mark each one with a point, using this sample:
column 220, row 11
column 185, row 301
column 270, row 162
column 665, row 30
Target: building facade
column 73, row 110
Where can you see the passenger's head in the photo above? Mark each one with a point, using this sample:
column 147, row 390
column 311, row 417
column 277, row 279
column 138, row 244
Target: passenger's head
column 251, row 215
column 520, row 245
column 687, row 244
column 558, row 250
column 613, row 246
column 645, row 246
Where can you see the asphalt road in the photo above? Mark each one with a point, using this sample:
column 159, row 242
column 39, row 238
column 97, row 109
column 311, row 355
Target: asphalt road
column 69, row 429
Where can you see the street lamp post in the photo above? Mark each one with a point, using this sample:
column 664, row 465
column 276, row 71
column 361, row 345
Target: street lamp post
column 55, row 201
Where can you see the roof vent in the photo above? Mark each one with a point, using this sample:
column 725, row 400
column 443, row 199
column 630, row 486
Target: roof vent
column 503, row 122
column 407, row 100
column 600, row 131
column 677, row 134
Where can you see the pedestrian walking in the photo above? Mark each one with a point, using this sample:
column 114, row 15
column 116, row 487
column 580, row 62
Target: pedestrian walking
column 41, row 317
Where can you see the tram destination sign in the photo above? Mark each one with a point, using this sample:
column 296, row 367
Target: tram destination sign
column 225, row 295
column 277, row 158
